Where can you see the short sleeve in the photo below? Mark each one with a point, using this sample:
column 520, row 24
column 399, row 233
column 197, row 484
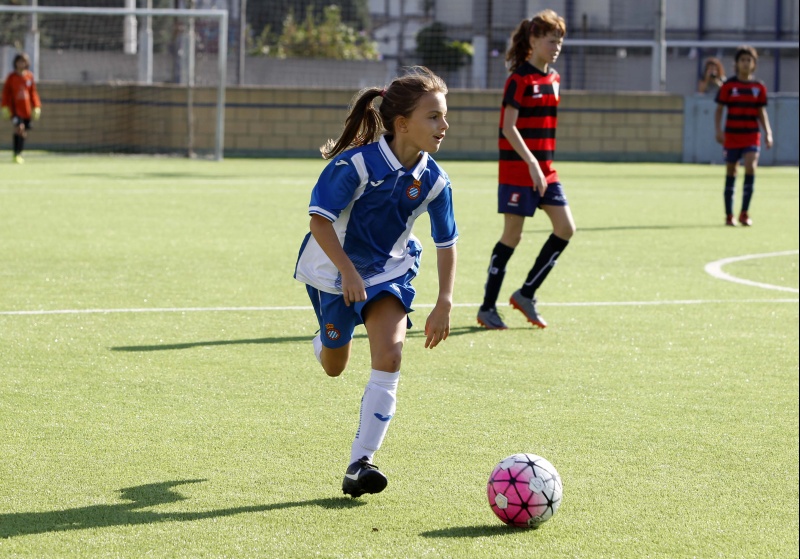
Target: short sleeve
column 334, row 189
column 513, row 94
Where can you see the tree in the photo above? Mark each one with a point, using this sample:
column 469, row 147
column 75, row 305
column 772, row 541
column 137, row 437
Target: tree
column 440, row 53
column 328, row 38
column 270, row 14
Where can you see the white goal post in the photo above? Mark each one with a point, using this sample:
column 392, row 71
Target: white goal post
column 145, row 58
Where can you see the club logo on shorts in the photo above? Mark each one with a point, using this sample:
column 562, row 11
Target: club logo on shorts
column 414, row 190
column 513, row 200
column 332, row 333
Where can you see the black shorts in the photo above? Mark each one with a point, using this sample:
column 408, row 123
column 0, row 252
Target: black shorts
column 16, row 121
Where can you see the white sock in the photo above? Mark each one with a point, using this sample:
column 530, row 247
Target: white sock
column 317, row 343
column 377, row 408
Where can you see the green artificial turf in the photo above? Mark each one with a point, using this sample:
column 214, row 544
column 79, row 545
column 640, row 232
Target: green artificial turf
column 159, row 396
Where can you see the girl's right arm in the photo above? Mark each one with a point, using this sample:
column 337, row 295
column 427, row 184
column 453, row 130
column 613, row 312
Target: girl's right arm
column 352, row 284
column 511, row 133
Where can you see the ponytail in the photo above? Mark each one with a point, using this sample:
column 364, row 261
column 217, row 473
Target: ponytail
column 520, row 49
column 362, row 126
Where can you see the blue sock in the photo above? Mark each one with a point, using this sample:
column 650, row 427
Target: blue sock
column 729, row 188
column 749, row 181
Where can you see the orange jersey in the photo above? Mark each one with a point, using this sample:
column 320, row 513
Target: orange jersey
column 19, row 95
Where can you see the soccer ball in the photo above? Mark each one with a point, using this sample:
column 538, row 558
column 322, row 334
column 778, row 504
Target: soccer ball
column 524, row 490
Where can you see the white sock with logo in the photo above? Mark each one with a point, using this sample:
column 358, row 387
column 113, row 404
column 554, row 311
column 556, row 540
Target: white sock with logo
column 377, row 408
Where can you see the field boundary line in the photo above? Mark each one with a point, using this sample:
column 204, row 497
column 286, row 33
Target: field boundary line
column 420, row 306
column 715, row 270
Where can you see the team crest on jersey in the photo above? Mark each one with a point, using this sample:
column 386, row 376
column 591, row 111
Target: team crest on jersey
column 536, row 92
column 414, row 190
column 332, row 333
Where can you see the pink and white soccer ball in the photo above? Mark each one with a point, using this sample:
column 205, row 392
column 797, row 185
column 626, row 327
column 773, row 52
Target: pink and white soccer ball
column 524, row 490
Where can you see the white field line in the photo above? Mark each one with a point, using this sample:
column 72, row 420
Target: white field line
column 715, row 269
column 420, row 306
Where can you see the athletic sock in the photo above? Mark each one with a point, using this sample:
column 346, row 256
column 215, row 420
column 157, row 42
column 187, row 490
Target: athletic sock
column 547, row 258
column 377, row 408
column 19, row 142
column 747, row 191
column 729, row 188
column 501, row 254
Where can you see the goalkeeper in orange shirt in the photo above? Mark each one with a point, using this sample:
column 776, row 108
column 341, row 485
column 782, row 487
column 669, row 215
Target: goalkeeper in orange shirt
column 20, row 102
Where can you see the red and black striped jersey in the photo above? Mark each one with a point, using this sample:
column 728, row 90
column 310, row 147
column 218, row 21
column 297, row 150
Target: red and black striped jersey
column 535, row 95
column 743, row 100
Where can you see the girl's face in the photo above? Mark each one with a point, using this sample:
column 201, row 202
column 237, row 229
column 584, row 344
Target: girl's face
column 745, row 65
column 20, row 65
column 427, row 125
column 545, row 49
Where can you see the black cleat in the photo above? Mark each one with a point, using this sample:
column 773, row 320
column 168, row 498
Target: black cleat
column 362, row 477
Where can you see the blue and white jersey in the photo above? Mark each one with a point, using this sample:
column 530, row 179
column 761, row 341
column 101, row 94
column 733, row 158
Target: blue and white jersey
column 373, row 202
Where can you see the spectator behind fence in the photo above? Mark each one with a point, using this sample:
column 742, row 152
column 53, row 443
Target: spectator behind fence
column 713, row 77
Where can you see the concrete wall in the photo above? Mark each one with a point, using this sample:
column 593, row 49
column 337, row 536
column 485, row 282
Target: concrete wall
column 282, row 122
column 295, row 122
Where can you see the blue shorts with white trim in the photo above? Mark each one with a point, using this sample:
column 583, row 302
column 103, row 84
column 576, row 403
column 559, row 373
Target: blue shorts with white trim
column 337, row 321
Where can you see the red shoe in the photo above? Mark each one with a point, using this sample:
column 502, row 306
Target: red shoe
column 729, row 221
column 745, row 220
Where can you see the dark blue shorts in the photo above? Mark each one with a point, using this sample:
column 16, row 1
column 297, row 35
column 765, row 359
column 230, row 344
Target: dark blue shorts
column 734, row 155
column 337, row 321
column 523, row 200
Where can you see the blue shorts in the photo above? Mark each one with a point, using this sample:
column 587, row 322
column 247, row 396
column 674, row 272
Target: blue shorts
column 523, row 200
column 337, row 321
column 734, row 155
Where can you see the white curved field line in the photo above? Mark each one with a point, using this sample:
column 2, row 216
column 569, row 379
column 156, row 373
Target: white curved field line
column 715, row 269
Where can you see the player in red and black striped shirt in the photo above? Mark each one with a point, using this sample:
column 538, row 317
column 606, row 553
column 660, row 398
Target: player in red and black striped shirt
column 528, row 179
column 746, row 100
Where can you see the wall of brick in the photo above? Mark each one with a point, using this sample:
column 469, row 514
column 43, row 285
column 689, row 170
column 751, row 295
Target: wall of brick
column 274, row 122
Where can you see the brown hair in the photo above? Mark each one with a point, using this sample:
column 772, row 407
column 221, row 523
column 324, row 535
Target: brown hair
column 539, row 25
column 365, row 122
column 22, row 56
column 718, row 67
column 745, row 49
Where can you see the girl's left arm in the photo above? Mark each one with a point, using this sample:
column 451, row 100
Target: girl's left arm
column 764, row 120
column 437, row 327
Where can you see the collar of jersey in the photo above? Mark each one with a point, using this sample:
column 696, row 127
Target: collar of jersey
column 394, row 164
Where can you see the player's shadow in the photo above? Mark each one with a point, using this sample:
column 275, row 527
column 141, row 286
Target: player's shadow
column 472, row 531
column 130, row 514
column 272, row 340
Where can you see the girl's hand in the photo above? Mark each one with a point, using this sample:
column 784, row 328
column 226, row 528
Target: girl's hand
column 539, row 181
column 437, row 327
column 353, row 289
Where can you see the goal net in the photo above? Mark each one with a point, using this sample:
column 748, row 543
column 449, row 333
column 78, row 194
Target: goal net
column 119, row 80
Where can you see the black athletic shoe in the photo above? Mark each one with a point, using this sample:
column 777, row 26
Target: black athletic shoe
column 362, row 477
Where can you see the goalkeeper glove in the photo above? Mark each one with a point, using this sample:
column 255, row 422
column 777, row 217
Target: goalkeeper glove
column 37, row 112
column 6, row 113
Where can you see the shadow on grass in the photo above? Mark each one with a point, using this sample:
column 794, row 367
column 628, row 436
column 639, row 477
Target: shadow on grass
column 473, row 531
column 127, row 514
column 273, row 340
